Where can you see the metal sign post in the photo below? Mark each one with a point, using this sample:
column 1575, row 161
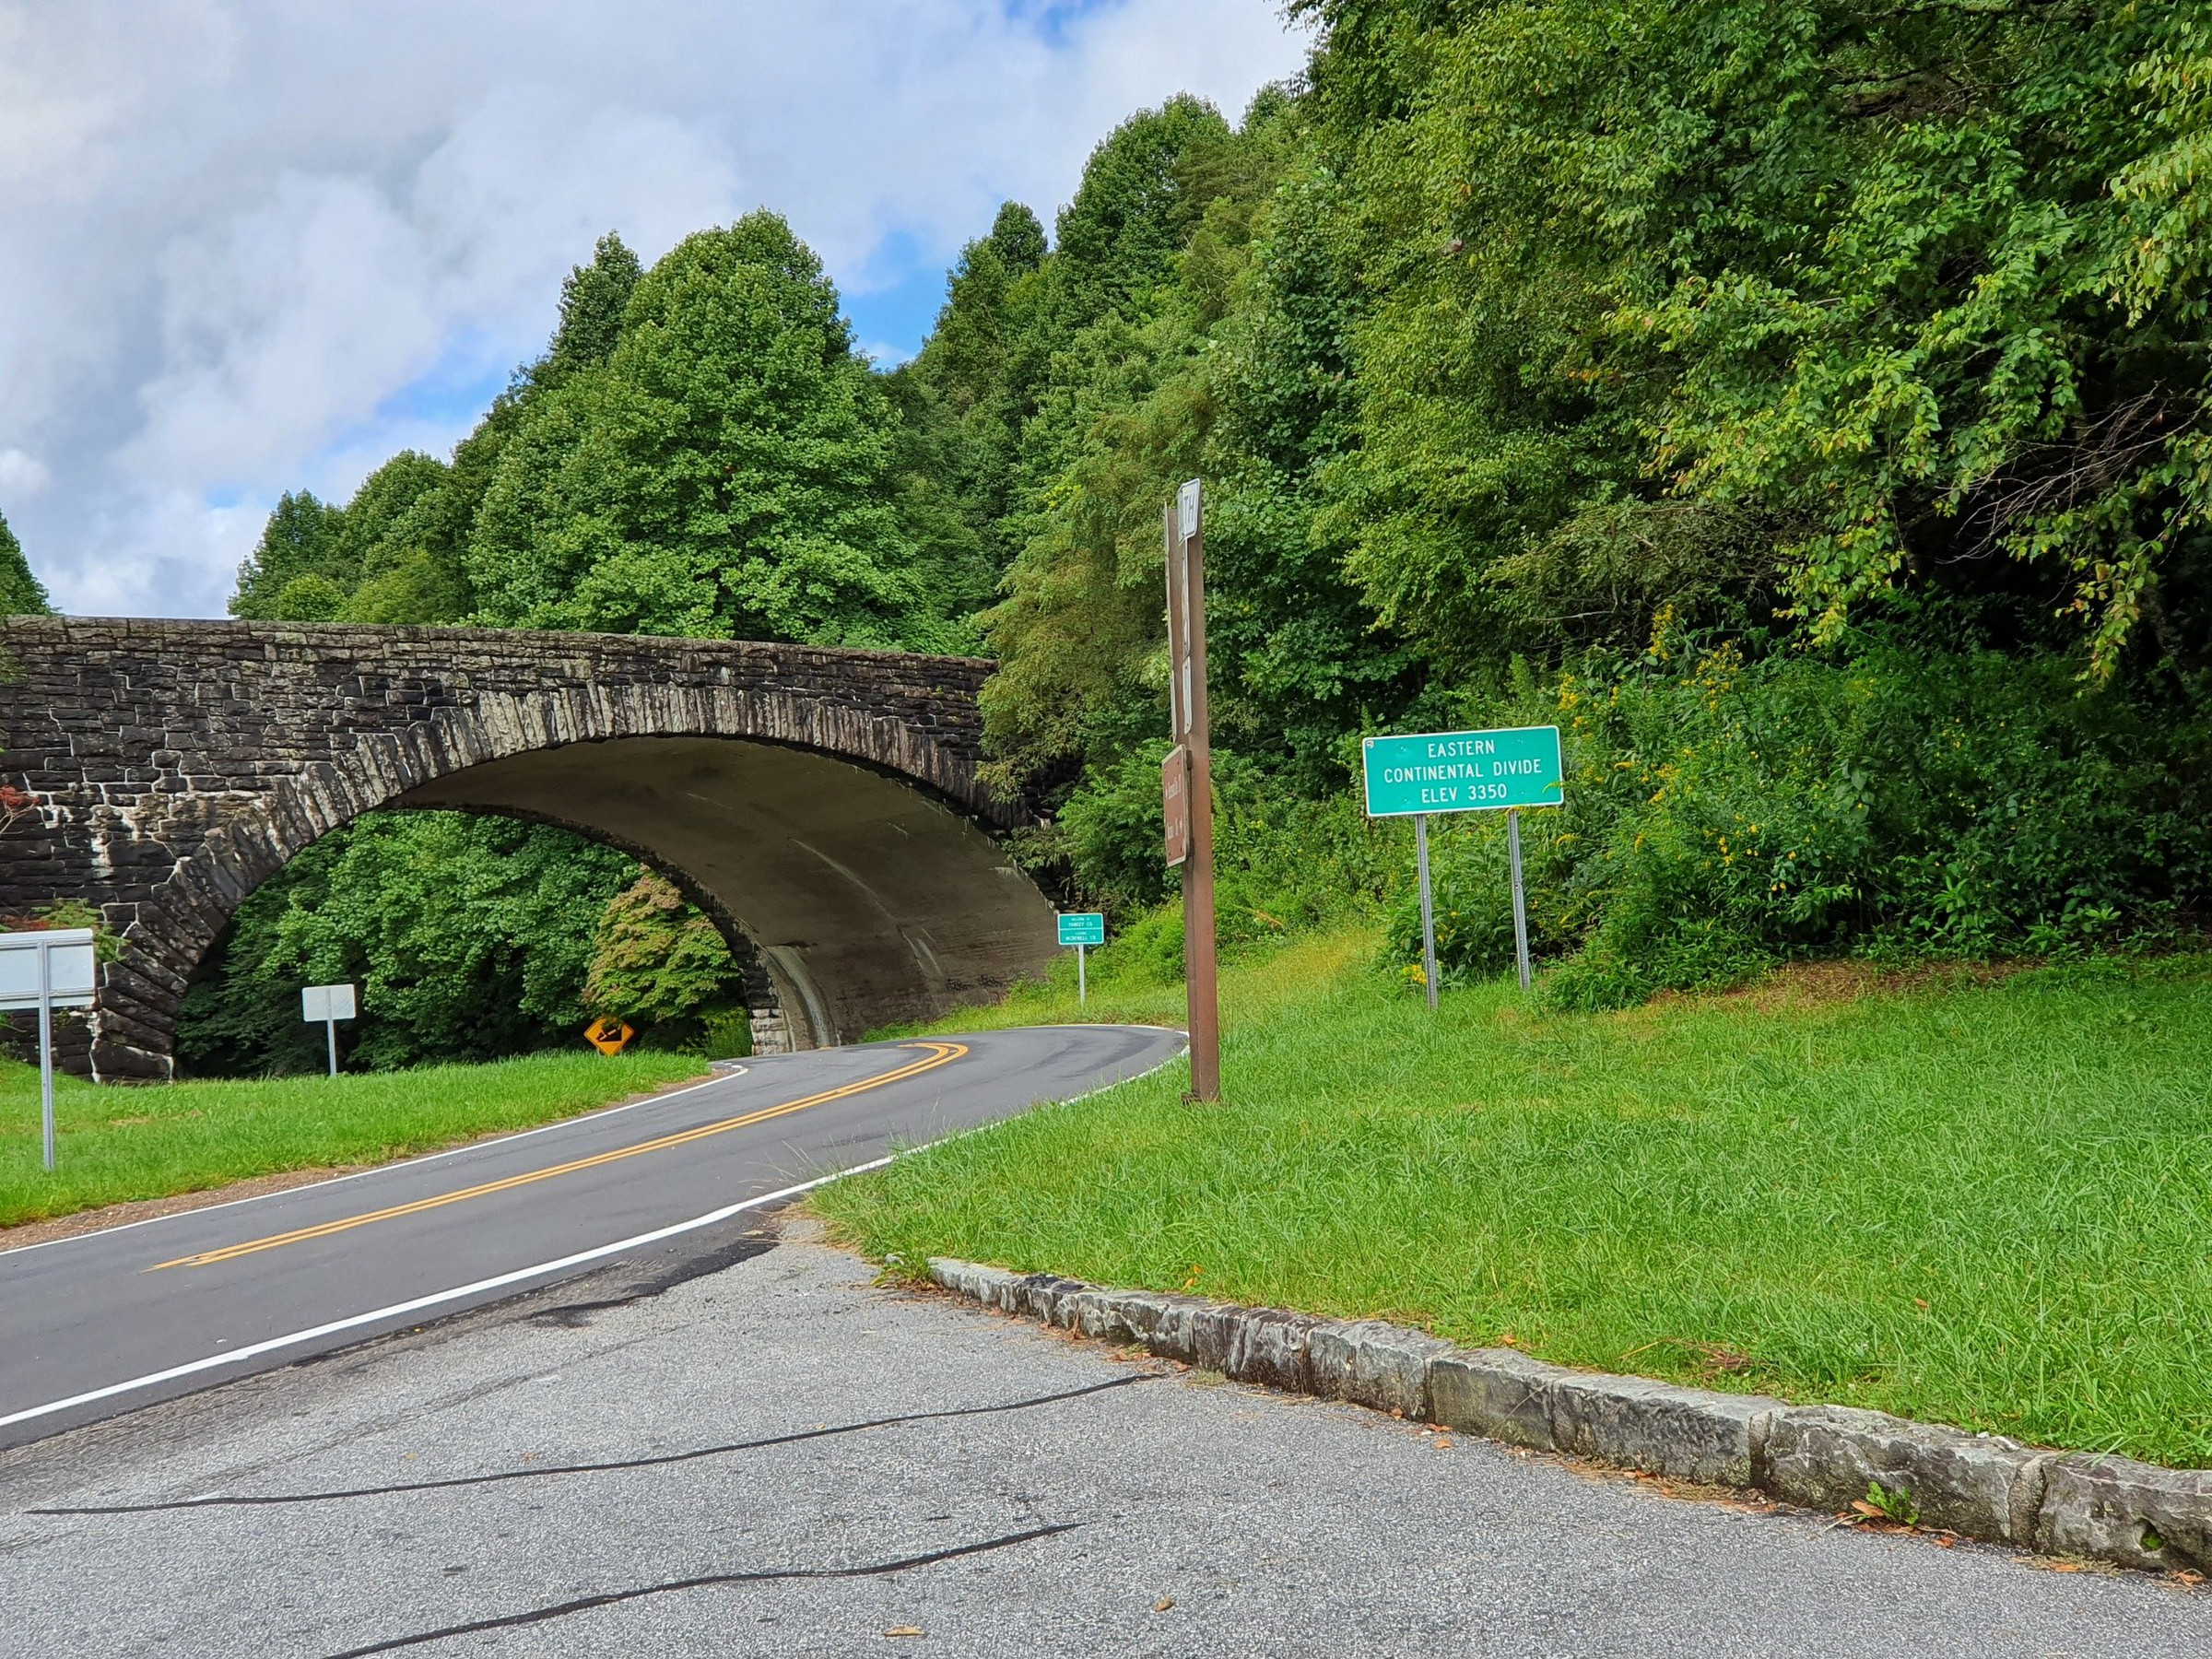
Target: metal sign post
column 1512, row 855
column 1420, row 855
column 47, row 969
column 1187, row 792
column 1082, row 929
column 1464, row 772
column 328, row 1004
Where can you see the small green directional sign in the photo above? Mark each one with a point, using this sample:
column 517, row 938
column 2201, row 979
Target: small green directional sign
column 1082, row 927
column 1463, row 772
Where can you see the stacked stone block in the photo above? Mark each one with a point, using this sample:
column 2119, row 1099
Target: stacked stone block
column 176, row 765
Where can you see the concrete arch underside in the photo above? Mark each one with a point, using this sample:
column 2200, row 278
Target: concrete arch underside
column 863, row 903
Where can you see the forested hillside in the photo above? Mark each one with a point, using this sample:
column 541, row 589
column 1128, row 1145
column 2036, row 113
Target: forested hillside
column 1804, row 408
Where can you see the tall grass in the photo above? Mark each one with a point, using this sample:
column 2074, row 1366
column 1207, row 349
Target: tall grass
column 1981, row 1202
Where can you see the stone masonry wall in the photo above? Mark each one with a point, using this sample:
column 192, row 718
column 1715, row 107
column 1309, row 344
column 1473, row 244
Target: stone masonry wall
column 176, row 765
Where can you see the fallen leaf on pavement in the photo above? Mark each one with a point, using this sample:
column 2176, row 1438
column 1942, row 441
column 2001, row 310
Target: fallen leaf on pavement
column 1163, row 1604
column 904, row 1631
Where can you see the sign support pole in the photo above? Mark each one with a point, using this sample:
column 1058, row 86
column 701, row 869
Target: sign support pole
column 1187, row 706
column 1082, row 990
column 1513, row 852
column 1421, row 853
column 330, row 1031
column 46, row 1051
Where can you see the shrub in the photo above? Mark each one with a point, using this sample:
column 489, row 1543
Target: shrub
column 1722, row 815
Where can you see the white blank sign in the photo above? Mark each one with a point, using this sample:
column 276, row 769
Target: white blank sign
column 318, row 1002
column 70, row 966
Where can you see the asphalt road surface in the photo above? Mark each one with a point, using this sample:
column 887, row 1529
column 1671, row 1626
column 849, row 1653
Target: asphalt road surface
column 110, row 1321
column 778, row 1458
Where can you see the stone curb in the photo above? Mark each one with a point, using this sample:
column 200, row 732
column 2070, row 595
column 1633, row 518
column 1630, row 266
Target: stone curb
column 1979, row 1486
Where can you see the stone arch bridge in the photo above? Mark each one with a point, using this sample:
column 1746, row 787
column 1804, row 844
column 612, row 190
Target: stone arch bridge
column 822, row 806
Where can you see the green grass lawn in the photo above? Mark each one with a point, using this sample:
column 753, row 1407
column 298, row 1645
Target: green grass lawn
column 1984, row 1204
column 116, row 1144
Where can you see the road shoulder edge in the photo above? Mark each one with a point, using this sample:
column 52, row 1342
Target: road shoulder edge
column 1930, row 1477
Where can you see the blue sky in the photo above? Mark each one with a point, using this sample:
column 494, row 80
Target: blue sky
column 893, row 302
column 252, row 246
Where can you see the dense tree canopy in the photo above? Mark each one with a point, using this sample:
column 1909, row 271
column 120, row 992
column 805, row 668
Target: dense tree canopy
column 1786, row 401
column 726, row 470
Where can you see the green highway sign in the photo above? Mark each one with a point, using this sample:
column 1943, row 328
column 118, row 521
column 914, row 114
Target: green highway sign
column 1463, row 772
column 1082, row 927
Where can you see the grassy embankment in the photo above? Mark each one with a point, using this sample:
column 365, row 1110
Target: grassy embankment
column 1981, row 1202
column 117, row 1144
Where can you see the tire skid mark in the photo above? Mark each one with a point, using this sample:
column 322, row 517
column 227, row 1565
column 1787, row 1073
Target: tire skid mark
column 609, row 1598
column 250, row 1500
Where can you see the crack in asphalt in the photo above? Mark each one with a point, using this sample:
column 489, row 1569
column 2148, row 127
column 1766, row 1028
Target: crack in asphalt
column 252, row 1499
column 609, row 1598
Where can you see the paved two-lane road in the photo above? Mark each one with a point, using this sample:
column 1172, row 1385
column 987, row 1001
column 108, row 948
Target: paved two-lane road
column 110, row 1322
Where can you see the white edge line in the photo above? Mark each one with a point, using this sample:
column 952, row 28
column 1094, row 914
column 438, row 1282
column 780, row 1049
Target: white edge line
column 437, row 1299
column 498, row 1281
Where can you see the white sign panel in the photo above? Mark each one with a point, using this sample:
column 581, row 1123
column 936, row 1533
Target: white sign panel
column 318, row 1002
column 68, row 963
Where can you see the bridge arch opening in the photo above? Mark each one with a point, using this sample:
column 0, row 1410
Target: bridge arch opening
column 863, row 902
column 474, row 935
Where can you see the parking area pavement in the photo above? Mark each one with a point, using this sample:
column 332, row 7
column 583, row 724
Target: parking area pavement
column 775, row 1456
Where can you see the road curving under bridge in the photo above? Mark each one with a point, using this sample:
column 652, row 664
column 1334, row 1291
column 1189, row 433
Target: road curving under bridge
column 105, row 1322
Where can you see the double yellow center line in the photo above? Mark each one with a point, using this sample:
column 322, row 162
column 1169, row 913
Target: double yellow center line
column 940, row 1053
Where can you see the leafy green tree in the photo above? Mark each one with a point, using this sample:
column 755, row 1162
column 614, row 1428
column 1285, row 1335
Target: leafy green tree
column 394, row 526
column 1143, row 191
column 304, row 541
column 1230, row 364
column 658, row 961
column 726, row 472
column 960, row 405
column 593, row 301
column 20, row 592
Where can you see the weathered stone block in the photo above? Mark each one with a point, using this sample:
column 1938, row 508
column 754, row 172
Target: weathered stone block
column 1092, row 1313
column 992, row 1286
column 2115, row 1509
column 1981, row 1486
column 1371, row 1363
column 1688, row 1433
column 1162, row 1321
column 1270, row 1349
column 1499, row 1394
column 1038, row 1295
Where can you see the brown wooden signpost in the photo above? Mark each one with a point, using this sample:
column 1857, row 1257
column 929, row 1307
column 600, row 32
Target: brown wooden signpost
column 1187, row 783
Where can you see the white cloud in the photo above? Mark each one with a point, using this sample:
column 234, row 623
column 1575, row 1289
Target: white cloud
column 21, row 476
column 233, row 232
